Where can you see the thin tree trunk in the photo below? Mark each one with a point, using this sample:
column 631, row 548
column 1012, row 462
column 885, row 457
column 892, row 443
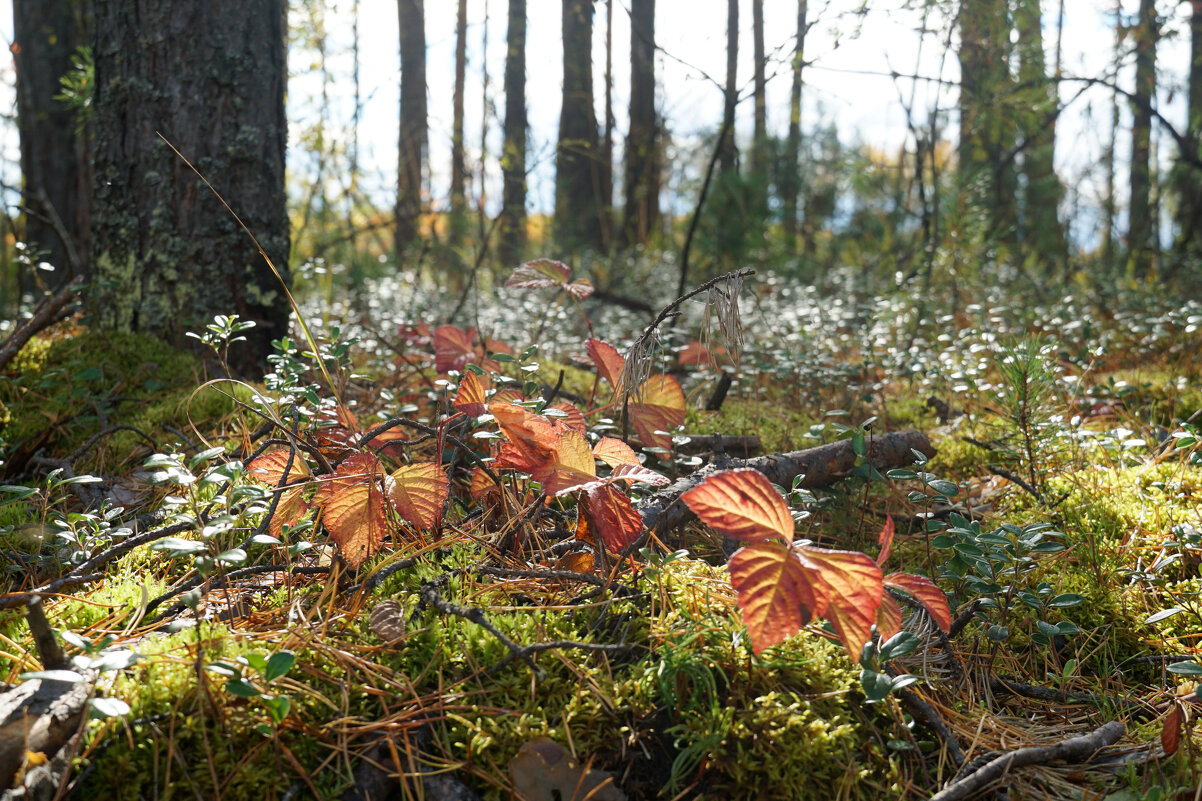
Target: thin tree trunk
column 1189, row 212
column 54, row 146
column 607, row 140
column 486, row 113
column 642, row 140
column 578, row 208
column 790, row 179
column 729, row 153
column 759, row 146
column 513, row 156
column 458, row 225
column 985, row 128
column 210, row 77
column 412, row 141
column 1141, row 228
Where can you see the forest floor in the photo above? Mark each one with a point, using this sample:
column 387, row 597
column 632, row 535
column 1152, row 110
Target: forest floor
column 424, row 565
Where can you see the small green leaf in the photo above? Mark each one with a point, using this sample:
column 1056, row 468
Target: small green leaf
column 1163, row 614
column 1186, row 668
column 241, row 688
column 279, row 664
column 104, row 707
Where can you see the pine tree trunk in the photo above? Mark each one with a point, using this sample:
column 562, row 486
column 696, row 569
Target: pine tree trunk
column 578, row 164
column 54, row 157
column 642, row 145
column 411, row 149
column 1044, row 234
column 513, row 156
column 790, row 178
column 729, row 153
column 607, row 138
column 1189, row 211
column 1142, row 228
column 458, row 168
column 209, row 75
column 759, row 146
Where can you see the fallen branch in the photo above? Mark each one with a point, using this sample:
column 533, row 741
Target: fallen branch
column 1137, row 710
column 720, row 443
column 821, row 466
column 38, row 717
column 1072, row 750
column 47, row 314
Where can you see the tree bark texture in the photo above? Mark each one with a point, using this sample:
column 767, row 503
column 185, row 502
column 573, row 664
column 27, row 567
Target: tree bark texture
column 578, row 165
column 513, row 155
column 642, row 141
column 458, row 165
column 411, row 148
column 1189, row 210
column 759, row 142
column 790, row 178
column 728, row 153
column 54, row 158
column 209, row 76
column 1141, row 231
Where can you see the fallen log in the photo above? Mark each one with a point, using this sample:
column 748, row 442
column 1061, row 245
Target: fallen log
column 821, row 466
column 48, row 313
column 720, row 443
column 39, row 716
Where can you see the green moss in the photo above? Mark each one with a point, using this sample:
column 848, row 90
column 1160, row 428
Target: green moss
column 779, row 429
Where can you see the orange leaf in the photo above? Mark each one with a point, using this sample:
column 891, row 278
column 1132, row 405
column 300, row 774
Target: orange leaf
column 418, row 492
column 614, row 518
column 660, row 407
column 539, row 274
column 926, row 593
column 288, row 511
column 481, row 484
column 530, row 438
column 571, row 418
column 742, row 504
column 269, row 468
column 471, row 396
column 609, row 362
column 693, row 354
column 853, row 590
column 577, row 562
column 355, row 510
column 636, row 472
column 888, row 617
column 570, row 465
column 453, row 347
column 885, row 540
column 614, row 452
column 774, row 592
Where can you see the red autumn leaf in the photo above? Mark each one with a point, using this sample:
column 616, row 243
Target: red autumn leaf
column 539, row 274
column 613, row 517
column 1170, row 735
column 571, row 417
column 609, row 362
column 388, row 442
column 853, row 591
column 355, row 507
column 470, row 399
column 580, row 289
column 569, row 466
column 453, row 348
column 885, row 540
column 614, row 452
column 888, row 617
column 481, row 484
column 926, row 593
column 416, row 336
column 693, row 354
column 269, row 468
column 660, row 407
column 530, row 438
column 418, row 492
column 742, row 504
column 773, row 591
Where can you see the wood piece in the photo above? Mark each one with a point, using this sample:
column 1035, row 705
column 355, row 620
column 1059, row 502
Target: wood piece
column 821, row 466
column 45, row 315
column 1073, row 750
column 49, row 652
column 39, row 716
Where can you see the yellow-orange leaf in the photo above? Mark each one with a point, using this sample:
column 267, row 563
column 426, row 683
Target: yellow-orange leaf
column 693, row 354
column 530, row 437
column 288, row 511
column 774, row 592
column 631, row 473
column 926, row 593
column 481, row 484
column 609, row 362
column 614, row 452
column 577, row 562
column 418, row 492
column 571, row 417
column 742, row 504
column 853, row 590
column 888, row 617
column 660, row 408
column 471, row 396
column 355, row 508
column 885, row 540
column 269, row 468
column 569, row 466
column 613, row 517
column 539, row 274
